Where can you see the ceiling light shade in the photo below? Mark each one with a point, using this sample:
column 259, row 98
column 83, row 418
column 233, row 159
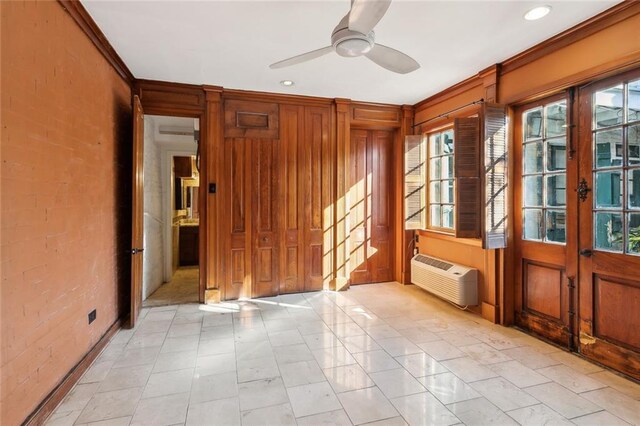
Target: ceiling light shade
column 537, row 13
column 286, row 83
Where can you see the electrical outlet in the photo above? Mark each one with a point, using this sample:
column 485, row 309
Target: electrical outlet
column 92, row 316
column 417, row 238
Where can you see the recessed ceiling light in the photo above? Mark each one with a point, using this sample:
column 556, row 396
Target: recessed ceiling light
column 286, row 83
column 537, row 13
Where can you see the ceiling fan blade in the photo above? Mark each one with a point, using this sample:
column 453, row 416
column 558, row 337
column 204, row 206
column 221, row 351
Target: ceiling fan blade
column 302, row 58
column 365, row 14
column 392, row 59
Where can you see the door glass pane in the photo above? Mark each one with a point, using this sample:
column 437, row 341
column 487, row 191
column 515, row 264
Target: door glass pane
column 434, row 144
column 533, row 124
column 447, row 191
column 607, row 107
column 434, row 168
column 633, row 101
column 633, row 188
column 555, row 223
column 447, row 142
column 556, row 120
column 608, row 189
column 434, row 192
column 533, row 158
column 608, row 148
column 608, row 231
column 434, row 216
column 556, row 154
column 532, row 226
column 533, row 191
column 633, row 145
column 556, row 190
column 633, row 237
column 447, row 216
column 447, row 167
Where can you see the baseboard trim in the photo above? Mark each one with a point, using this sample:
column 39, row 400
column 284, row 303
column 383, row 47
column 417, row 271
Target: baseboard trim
column 49, row 404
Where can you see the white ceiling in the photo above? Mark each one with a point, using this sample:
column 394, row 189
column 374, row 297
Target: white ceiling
column 232, row 43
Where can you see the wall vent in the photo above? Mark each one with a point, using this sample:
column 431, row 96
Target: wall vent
column 434, row 262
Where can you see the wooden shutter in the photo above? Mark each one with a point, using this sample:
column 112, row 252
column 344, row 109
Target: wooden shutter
column 467, row 177
column 415, row 196
column 495, row 176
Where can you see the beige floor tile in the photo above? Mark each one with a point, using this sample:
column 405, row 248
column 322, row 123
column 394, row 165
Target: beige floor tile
column 599, row 419
column 257, row 368
column 421, row 364
column 292, row 353
column 220, row 412
column 212, row 387
column 536, row 415
column 333, row 357
column 399, row 346
column 348, row 378
column 619, row 383
column 331, row 418
column 160, row 411
column 168, row 382
column 312, row 399
column 366, row 405
column 175, row 361
column 285, row 338
column 374, row 361
column 570, row 378
column 503, row 394
column 110, row 405
column 66, row 418
column 396, row 383
column 78, row 398
column 480, row 412
column 518, row 374
column 441, row 350
column 468, row 369
column 126, row 377
column 448, row 388
column 274, row 415
column 321, row 340
column 262, row 393
column 615, row 402
column 301, row 373
column 424, row 409
column 485, row 354
column 562, row 400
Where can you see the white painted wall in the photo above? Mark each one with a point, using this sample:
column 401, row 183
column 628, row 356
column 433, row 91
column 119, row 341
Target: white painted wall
column 153, row 255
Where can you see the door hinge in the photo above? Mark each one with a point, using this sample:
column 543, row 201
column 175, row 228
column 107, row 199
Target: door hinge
column 583, row 190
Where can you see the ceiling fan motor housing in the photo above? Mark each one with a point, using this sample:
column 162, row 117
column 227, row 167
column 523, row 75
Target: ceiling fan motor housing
column 350, row 43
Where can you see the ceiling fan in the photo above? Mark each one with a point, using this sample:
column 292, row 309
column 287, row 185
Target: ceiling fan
column 354, row 36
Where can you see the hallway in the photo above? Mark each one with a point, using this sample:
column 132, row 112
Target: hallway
column 384, row 352
column 183, row 288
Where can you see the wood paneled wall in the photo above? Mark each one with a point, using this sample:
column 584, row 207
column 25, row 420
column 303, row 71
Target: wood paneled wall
column 604, row 45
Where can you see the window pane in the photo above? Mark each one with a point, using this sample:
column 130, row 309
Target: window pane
column 434, row 216
column 533, row 191
column 447, row 216
column 434, row 168
column 608, row 189
column 556, row 226
column 532, row 224
column 447, row 142
column 633, row 145
column 533, row 158
column 447, row 167
column 633, row 188
column 533, row 124
column 434, row 145
column 607, row 106
column 609, row 148
column 556, row 154
column 633, row 101
column 556, row 190
column 556, row 120
column 608, row 231
column 434, row 192
column 633, row 239
column 447, row 192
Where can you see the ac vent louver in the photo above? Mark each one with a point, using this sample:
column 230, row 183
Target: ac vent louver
column 434, row 262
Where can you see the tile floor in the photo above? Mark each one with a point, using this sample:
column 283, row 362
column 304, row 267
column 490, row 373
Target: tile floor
column 183, row 288
column 377, row 354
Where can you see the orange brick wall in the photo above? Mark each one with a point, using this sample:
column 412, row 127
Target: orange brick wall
column 65, row 156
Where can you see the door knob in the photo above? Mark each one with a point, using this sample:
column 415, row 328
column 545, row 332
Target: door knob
column 586, row 252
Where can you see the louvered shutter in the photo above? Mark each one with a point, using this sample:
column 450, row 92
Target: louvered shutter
column 415, row 196
column 495, row 176
column 467, row 176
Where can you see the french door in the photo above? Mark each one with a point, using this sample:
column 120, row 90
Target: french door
column 577, row 220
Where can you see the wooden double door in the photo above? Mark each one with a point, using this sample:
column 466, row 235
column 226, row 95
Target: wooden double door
column 371, row 195
column 277, row 193
column 577, row 220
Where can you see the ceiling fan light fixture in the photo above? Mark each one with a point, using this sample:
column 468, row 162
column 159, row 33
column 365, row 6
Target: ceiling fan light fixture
column 537, row 12
column 287, row 83
column 352, row 47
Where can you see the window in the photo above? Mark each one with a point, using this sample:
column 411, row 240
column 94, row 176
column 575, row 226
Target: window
column 616, row 168
column 441, row 180
column 544, row 177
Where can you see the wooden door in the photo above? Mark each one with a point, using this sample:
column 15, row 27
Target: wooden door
column 371, row 157
column 137, row 217
column 609, row 214
column 544, row 217
column 264, row 220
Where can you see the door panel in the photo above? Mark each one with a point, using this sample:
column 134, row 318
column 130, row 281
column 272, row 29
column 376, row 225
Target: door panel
column 609, row 155
column 544, row 252
column 137, row 220
column 370, row 216
column 264, row 188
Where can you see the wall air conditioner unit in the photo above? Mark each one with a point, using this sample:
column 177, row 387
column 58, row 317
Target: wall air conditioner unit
column 456, row 283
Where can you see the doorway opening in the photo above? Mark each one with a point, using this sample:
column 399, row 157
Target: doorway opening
column 171, row 211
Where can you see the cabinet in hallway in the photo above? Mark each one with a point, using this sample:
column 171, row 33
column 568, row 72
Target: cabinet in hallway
column 277, row 190
column 371, row 195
